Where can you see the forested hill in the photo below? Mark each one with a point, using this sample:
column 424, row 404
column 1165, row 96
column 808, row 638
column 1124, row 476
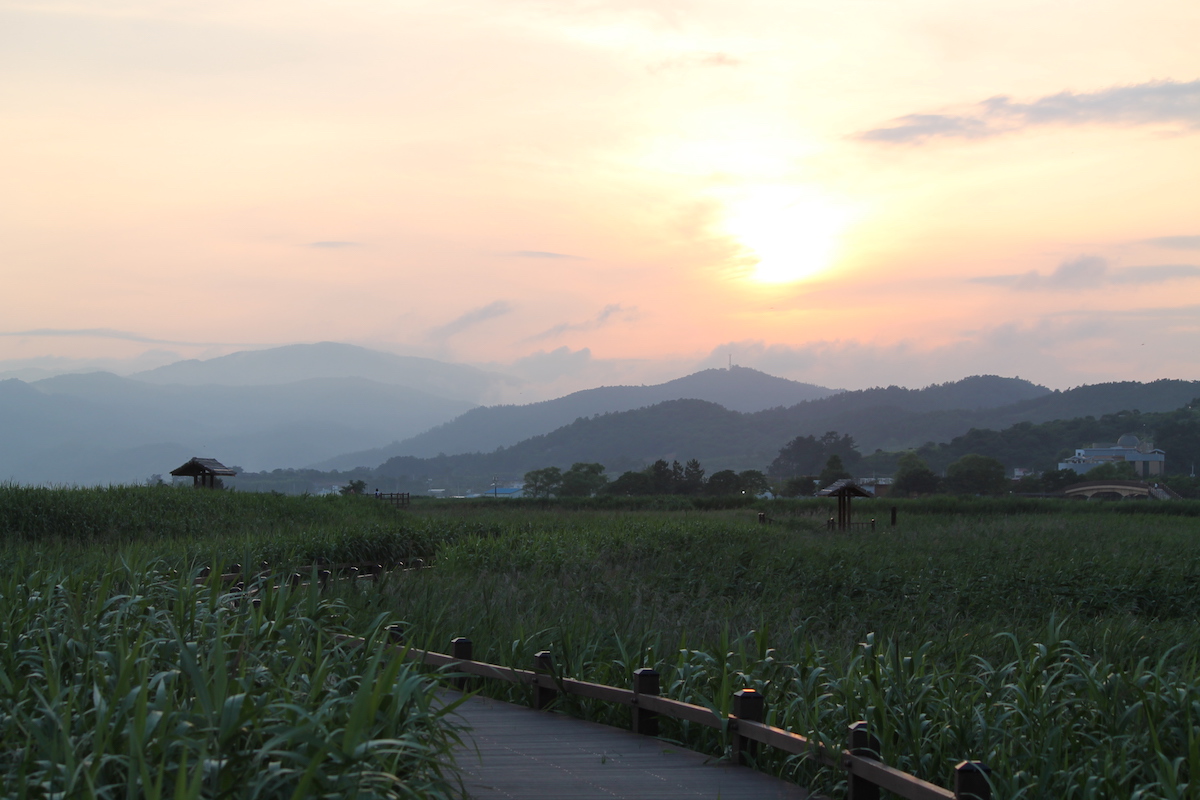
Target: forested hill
column 484, row 429
column 723, row 439
column 1042, row 446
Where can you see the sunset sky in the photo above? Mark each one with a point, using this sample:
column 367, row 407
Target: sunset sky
column 848, row 193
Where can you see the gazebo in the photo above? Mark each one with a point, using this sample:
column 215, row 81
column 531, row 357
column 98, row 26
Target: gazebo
column 204, row 472
column 844, row 490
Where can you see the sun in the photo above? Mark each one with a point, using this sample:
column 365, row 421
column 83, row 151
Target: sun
column 793, row 232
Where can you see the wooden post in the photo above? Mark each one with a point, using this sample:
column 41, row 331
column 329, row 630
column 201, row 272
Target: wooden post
column 748, row 705
column 543, row 697
column 461, row 648
column 971, row 781
column 645, row 682
column 862, row 744
column 893, row 516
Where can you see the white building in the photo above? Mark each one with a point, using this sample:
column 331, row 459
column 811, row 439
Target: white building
column 1146, row 460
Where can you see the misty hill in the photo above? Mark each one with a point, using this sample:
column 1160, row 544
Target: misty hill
column 889, row 419
column 486, row 428
column 101, row 428
column 300, row 362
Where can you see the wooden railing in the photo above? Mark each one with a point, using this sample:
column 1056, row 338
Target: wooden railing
column 866, row 773
column 324, row 572
column 397, row 499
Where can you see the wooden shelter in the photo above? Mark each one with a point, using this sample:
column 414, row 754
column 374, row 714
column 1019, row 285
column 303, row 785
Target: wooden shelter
column 844, row 490
column 204, row 472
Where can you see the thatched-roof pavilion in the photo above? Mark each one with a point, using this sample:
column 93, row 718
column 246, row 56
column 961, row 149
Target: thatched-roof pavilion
column 204, row 472
column 844, row 490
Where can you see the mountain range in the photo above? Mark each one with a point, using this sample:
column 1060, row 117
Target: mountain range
column 891, row 418
column 333, row 406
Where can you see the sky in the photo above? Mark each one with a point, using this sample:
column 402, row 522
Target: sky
column 586, row 192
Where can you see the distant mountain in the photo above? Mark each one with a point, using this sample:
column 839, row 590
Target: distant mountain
column 486, row 428
column 299, row 362
column 890, row 419
column 101, row 428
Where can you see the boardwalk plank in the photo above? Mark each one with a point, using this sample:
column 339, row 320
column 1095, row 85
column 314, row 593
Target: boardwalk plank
column 514, row 752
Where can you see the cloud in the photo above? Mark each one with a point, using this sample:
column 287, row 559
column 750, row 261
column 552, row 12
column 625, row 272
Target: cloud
column 1090, row 272
column 692, row 60
column 1066, row 349
column 333, row 245
column 108, row 333
column 540, row 254
column 1175, row 242
column 601, row 319
column 545, row 367
column 1142, row 104
column 474, row 317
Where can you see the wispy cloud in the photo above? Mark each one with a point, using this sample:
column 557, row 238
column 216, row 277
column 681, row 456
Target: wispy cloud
column 1090, row 272
column 1142, row 104
column 108, row 333
column 1175, row 242
column 601, row 319
column 692, row 60
column 470, row 319
column 539, row 254
column 332, row 245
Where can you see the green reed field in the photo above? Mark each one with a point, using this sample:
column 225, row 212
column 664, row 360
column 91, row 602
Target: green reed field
column 1057, row 642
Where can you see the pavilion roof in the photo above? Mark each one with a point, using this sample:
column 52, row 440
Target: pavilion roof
column 846, row 487
column 203, row 466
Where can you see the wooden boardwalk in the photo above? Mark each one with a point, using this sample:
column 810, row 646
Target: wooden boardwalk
column 511, row 751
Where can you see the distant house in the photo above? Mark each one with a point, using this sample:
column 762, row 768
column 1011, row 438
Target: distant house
column 204, row 472
column 877, row 487
column 504, row 492
column 1145, row 458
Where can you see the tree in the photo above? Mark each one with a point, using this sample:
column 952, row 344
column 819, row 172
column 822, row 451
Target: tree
column 754, row 482
column 583, row 480
column 804, row 455
column 542, row 482
column 1056, row 480
column 725, row 482
column 662, row 477
column 631, row 483
column 354, row 487
column 693, row 478
column 799, row 486
column 834, row 471
column 1112, row 471
column 913, row 476
column 976, row 474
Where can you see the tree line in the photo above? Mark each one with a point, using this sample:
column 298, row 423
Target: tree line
column 660, row 478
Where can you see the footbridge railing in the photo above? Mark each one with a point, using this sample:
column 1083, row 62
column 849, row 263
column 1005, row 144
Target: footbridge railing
column 866, row 773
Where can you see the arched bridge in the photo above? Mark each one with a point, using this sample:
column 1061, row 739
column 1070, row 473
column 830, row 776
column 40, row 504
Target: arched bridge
column 1118, row 489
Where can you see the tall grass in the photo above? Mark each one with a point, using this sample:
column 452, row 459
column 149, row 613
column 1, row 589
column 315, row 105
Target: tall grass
column 1058, row 647
column 135, row 682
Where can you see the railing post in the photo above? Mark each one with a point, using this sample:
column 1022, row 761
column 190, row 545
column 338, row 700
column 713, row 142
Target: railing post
column 748, row 705
column 864, row 745
column 461, row 648
column 971, row 781
column 542, row 696
column 645, row 682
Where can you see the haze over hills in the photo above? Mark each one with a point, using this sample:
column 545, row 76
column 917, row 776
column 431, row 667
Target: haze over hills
column 101, row 428
column 888, row 418
column 485, row 428
column 329, row 400
column 298, row 362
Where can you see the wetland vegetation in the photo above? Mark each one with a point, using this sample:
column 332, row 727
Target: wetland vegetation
column 1054, row 640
